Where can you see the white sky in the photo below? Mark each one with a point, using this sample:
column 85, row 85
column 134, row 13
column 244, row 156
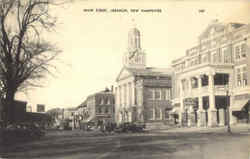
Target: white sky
column 93, row 43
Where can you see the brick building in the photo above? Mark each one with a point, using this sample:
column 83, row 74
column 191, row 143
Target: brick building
column 212, row 75
column 141, row 93
column 100, row 106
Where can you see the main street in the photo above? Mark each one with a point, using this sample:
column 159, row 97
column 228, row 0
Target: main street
column 162, row 144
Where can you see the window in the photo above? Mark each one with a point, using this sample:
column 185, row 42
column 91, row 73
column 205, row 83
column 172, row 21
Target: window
column 103, row 109
column 221, row 79
column 164, row 95
column 215, row 59
column 185, row 84
column 108, row 101
column 196, row 61
column 219, row 56
column 243, row 50
column 240, row 51
column 194, row 82
column 205, row 58
column 151, row 94
column 244, row 76
column 150, row 113
column 157, row 113
column 241, row 76
column 168, row 94
column 157, row 94
column 99, row 110
column 102, row 101
column 237, row 52
column 238, row 74
column 227, row 55
column 106, row 110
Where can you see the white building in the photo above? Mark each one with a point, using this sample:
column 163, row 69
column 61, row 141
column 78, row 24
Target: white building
column 216, row 67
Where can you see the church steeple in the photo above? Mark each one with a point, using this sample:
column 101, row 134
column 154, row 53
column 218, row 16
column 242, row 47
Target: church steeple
column 134, row 39
column 134, row 57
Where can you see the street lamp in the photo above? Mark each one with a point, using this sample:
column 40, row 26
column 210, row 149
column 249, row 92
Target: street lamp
column 227, row 106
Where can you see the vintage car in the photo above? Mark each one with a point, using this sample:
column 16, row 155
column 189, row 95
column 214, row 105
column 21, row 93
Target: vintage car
column 130, row 127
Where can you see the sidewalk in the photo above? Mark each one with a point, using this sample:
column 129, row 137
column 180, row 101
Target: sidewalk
column 237, row 128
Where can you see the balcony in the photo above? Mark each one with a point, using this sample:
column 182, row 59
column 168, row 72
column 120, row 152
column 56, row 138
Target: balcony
column 220, row 89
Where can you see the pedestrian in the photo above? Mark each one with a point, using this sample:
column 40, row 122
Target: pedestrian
column 109, row 127
column 103, row 127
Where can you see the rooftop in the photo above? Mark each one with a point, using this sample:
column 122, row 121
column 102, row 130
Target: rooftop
column 151, row 71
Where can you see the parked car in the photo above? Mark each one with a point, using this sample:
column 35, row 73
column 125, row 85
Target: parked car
column 130, row 127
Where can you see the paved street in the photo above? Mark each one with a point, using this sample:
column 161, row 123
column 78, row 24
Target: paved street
column 165, row 144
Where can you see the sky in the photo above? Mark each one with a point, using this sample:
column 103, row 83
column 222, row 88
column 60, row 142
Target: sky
column 93, row 43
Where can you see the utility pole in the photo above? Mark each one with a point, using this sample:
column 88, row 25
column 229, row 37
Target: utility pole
column 228, row 112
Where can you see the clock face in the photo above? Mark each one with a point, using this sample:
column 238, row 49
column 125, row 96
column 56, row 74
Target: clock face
column 132, row 54
column 134, row 58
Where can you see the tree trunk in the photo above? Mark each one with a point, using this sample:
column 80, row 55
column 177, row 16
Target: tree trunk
column 9, row 106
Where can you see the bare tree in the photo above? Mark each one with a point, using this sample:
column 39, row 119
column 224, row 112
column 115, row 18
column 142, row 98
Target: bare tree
column 25, row 57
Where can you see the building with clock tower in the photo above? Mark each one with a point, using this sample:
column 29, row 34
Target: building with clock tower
column 142, row 94
column 135, row 56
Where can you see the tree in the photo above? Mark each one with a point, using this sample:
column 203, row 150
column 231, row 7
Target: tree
column 25, row 57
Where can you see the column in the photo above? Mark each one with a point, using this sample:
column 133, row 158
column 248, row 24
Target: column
column 128, row 94
column 122, row 103
column 121, row 96
column 125, row 95
column 190, row 116
column 199, row 82
column 125, row 101
column 201, row 114
column 133, row 93
column 190, row 108
column 222, row 113
column 135, row 115
column 233, row 119
column 212, row 114
column 116, row 104
column 119, row 103
column 181, row 102
column 128, row 102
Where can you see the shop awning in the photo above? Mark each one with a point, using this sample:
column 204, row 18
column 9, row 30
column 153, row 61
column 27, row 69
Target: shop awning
column 239, row 104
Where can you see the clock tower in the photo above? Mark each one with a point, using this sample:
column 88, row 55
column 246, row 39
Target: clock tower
column 134, row 57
